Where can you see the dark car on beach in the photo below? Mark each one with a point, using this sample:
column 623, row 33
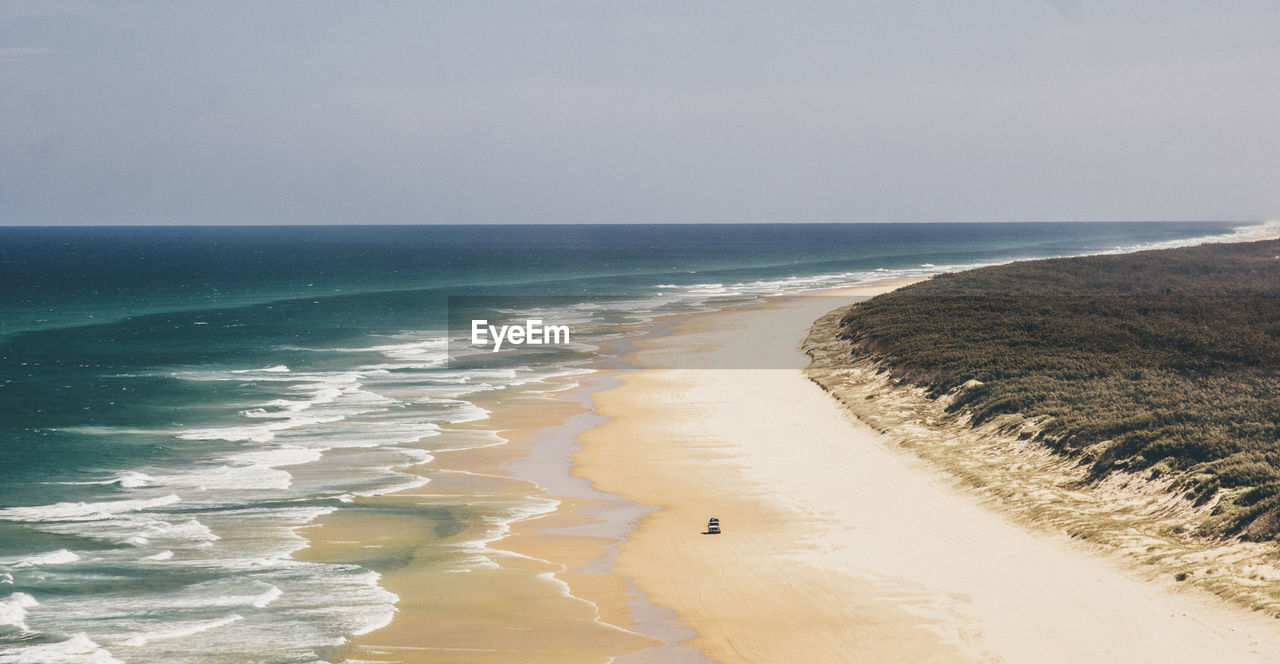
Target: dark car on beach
column 713, row 526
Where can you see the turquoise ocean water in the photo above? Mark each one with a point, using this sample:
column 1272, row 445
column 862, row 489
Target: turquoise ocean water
column 176, row 402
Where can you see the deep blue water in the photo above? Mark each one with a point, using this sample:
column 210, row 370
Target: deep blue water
column 159, row 386
column 57, row 277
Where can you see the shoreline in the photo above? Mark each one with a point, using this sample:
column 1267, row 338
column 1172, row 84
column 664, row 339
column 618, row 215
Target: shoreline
column 487, row 611
column 803, row 575
column 567, row 550
column 899, row 633
column 578, row 550
column 495, row 548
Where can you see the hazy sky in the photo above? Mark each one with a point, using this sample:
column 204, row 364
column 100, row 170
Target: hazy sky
column 598, row 111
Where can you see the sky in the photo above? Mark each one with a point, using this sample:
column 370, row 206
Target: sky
column 532, row 111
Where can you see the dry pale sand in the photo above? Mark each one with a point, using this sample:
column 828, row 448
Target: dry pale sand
column 839, row 548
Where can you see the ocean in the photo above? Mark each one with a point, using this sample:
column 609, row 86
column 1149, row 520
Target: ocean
column 176, row 402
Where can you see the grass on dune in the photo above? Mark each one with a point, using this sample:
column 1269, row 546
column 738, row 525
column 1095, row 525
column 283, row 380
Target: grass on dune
column 1164, row 362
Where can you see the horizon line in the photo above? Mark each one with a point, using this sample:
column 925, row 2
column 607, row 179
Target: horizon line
column 642, row 223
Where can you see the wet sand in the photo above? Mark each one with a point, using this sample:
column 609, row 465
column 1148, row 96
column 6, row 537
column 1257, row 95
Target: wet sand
column 512, row 607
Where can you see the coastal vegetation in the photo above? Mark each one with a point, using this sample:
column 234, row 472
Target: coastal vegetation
column 1160, row 362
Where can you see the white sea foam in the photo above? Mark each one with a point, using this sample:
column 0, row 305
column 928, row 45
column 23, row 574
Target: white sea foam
column 413, row 346
column 477, row 554
column 137, row 529
column 163, row 555
column 279, row 368
column 80, row 511
column 327, row 398
column 367, row 433
column 263, row 433
column 183, row 629
column 201, row 376
column 287, row 455
column 184, row 531
column 414, row 353
column 266, row 598
column 79, row 649
column 257, row 470
column 408, row 482
column 128, row 479
column 242, row 477
column 59, row 557
column 131, row 480
column 381, row 610
column 265, row 536
column 13, row 610
column 416, row 456
column 225, row 593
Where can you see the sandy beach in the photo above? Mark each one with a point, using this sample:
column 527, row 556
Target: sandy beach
column 838, row 545
column 840, row 548
column 512, row 601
